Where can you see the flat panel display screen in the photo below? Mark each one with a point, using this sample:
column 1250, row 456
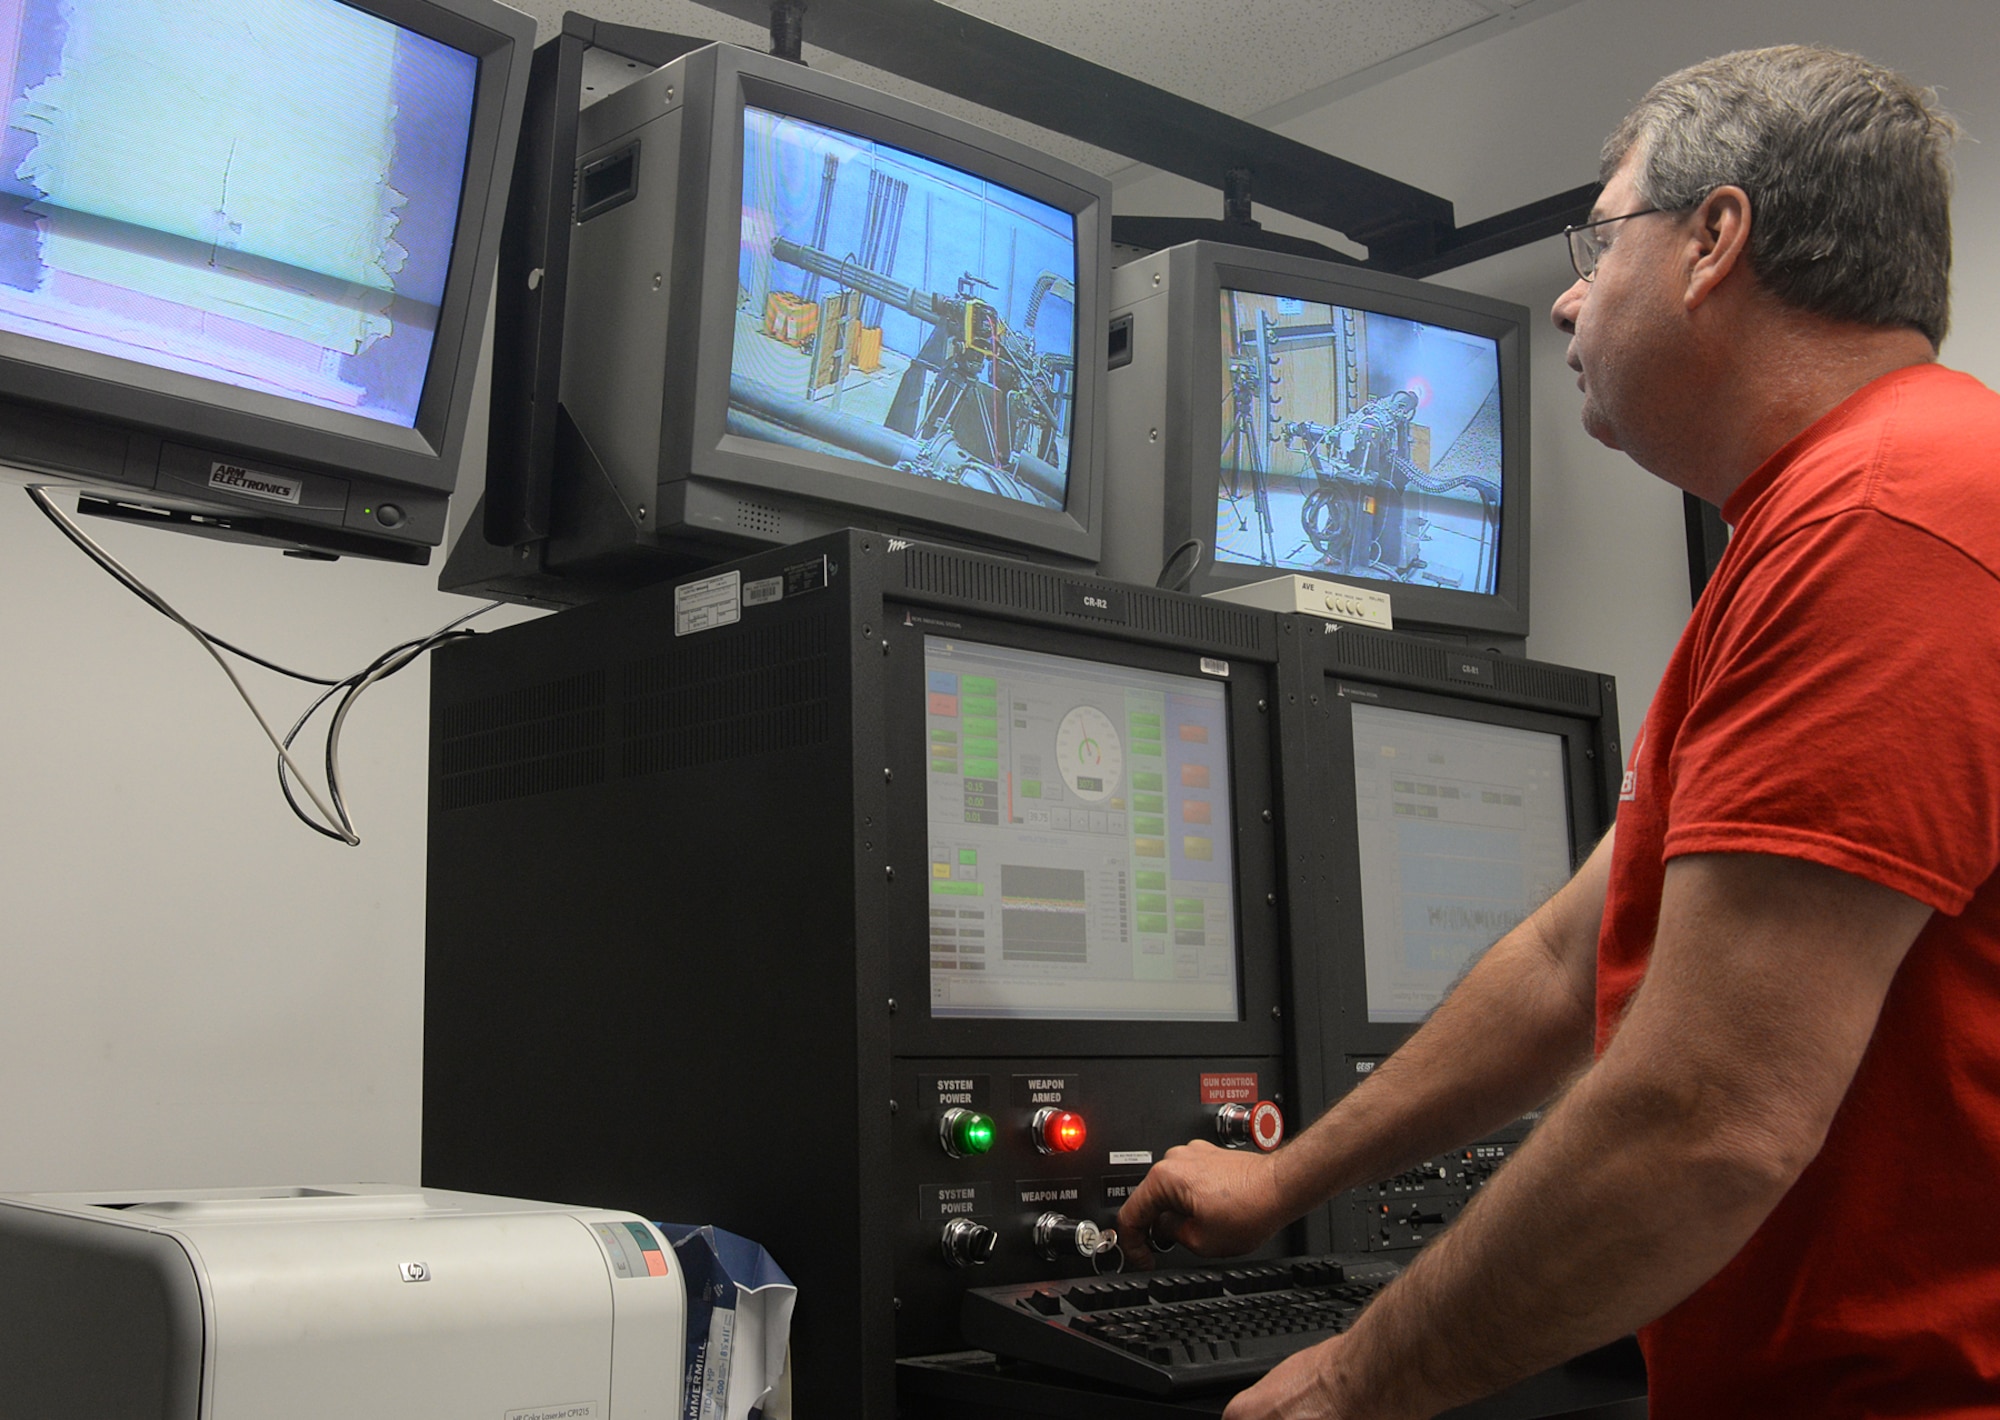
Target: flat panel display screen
column 1080, row 839
column 1358, row 444
column 1464, row 830
column 263, row 195
column 901, row 312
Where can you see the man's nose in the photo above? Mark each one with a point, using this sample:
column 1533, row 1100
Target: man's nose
column 1563, row 312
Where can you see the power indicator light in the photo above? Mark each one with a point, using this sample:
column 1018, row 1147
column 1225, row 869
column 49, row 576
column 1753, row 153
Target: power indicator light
column 964, row 1132
column 1058, row 1131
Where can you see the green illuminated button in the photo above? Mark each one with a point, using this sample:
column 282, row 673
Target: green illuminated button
column 1146, row 747
column 1154, row 782
column 1031, row 788
column 1150, row 882
column 982, row 769
column 1152, row 922
column 965, row 1132
column 1152, row 902
column 1141, row 823
column 1149, row 803
column 983, row 725
column 1142, row 723
column 978, row 684
column 984, row 706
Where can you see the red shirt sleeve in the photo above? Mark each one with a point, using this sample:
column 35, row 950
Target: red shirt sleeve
column 1842, row 715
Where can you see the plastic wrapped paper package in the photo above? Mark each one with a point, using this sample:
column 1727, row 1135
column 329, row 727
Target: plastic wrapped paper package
column 739, row 1323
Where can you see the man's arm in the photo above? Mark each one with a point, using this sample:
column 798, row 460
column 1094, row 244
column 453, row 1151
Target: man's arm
column 1766, row 980
column 1506, row 1039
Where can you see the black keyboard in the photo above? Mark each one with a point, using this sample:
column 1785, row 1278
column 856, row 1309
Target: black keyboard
column 1169, row 1332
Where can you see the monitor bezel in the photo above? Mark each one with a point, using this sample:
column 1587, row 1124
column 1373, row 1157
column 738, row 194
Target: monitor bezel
column 694, row 436
column 173, row 405
column 1200, row 272
column 1341, row 926
column 1256, row 1029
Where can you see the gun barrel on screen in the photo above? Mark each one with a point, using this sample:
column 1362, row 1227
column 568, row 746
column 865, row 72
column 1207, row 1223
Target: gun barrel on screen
column 926, row 306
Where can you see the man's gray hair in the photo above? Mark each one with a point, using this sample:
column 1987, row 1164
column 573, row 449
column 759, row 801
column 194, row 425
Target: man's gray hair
column 1845, row 163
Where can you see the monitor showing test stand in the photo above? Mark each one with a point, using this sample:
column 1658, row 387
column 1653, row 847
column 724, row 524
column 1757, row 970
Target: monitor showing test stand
column 1297, row 416
column 792, row 304
column 245, row 257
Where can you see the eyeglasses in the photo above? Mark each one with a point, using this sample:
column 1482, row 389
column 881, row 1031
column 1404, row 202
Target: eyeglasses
column 1587, row 246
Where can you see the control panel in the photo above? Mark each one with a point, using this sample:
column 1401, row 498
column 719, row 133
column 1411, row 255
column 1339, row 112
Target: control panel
column 1013, row 1170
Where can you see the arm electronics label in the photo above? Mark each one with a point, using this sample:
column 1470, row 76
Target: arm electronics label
column 940, row 1202
column 707, row 604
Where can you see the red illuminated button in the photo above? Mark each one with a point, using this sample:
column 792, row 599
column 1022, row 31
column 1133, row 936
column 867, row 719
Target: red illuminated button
column 1058, row 1131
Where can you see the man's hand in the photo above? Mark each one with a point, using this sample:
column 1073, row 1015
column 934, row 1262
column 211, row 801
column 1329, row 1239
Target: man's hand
column 1298, row 1388
column 1217, row 1202
column 1316, row 1384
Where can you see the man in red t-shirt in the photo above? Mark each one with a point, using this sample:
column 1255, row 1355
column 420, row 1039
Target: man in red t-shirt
column 1768, row 1005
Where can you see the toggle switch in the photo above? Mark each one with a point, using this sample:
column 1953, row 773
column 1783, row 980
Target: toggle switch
column 968, row 1244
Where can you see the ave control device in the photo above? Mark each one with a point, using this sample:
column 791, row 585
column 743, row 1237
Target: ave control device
column 964, row 878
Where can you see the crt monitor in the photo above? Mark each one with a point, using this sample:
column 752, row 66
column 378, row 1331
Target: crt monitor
column 244, row 255
column 1301, row 416
column 794, row 304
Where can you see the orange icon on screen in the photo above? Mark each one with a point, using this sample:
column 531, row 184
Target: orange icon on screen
column 1194, row 776
column 1194, row 811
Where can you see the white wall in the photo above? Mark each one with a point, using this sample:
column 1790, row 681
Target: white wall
column 1521, row 117
column 194, row 990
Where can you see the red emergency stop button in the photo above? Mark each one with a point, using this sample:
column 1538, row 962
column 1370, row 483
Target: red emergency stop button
column 1058, row 1131
column 1260, row 1126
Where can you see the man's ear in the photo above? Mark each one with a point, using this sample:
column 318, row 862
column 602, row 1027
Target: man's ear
column 1722, row 242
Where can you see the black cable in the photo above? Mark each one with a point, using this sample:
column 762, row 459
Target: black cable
column 131, row 584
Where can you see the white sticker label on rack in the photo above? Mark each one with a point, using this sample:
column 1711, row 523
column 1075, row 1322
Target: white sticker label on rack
column 1130, row 1156
column 763, row 591
column 707, row 604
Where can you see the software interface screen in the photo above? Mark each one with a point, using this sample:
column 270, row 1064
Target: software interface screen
column 1464, row 830
column 259, row 194
column 1080, row 862
column 897, row 311
column 1359, row 444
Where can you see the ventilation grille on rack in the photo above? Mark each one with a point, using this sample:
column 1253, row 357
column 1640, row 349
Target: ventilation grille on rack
column 535, row 740
column 1007, row 586
column 1550, row 685
column 715, row 698
column 1389, row 655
